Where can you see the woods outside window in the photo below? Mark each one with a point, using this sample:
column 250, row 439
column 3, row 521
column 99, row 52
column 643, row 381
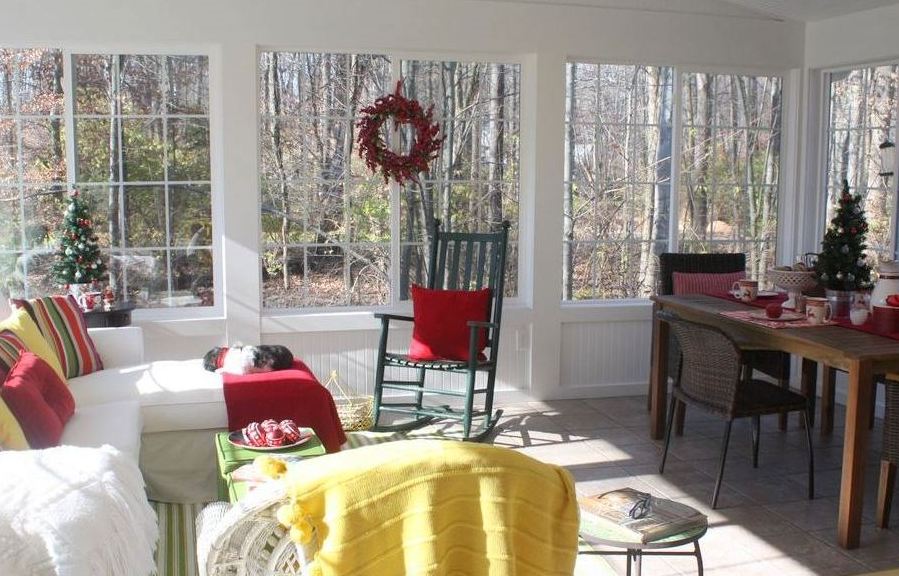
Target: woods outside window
column 139, row 153
column 862, row 115
column 620, row 210
column 333, row 233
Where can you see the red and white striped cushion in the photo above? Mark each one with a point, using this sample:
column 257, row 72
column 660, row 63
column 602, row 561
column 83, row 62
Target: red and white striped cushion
column 62, row 325
column 704, row 282
column 10, row 348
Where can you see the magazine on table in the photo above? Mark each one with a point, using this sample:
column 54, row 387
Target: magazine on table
column 640, row 514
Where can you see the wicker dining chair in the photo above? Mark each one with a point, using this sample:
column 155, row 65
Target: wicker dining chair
column 890, row 456
column 770, row 362
column 712, row 375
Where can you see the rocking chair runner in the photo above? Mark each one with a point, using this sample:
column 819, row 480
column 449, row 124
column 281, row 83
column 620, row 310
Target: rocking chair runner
column 458, row 261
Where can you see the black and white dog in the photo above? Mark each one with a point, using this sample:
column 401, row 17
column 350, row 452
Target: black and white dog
column 248, row 359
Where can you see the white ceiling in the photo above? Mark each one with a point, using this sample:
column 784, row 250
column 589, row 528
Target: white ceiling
column 808, row 10
column 802, row 10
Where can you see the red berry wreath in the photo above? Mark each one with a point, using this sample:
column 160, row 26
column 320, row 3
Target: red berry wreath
column 373, row 149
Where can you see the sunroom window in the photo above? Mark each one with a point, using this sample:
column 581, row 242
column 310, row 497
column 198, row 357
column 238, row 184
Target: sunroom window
column 619, row 210
column 329, row 237
column 862, row 116
column 138, row 153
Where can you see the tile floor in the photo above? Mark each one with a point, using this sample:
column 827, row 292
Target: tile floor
column 764, row 524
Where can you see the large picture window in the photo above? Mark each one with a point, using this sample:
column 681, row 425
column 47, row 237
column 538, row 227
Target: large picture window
column 617, row 179
column 730, row 166
column 618, row 214
column 862, row 117
column 139, row 154
column 329, row 237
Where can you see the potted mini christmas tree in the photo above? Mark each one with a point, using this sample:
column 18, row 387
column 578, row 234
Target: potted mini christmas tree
column 842, row 265
column 78, row 264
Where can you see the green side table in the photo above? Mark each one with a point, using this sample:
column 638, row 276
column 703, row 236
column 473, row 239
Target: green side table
column 231, row 457
column 593, row 532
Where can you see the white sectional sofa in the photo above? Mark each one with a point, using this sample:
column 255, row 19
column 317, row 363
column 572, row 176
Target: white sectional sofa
column 165, row 414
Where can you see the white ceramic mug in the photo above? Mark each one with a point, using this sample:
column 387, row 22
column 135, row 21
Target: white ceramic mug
column 858, row 316
column 746, row 290
column 818, row 310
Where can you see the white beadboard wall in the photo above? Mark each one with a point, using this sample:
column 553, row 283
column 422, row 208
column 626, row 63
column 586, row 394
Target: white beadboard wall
column 354, row 355
column 605, row 358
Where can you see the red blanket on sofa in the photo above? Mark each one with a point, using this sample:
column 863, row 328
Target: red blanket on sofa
column 293, row 393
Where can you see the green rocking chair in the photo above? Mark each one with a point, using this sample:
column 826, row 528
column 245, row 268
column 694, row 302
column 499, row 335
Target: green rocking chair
column 458, row 261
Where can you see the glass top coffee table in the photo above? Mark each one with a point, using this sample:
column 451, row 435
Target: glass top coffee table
column 231, row 457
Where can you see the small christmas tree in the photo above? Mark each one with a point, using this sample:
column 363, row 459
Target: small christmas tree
column 842, row 264
column 78, row 259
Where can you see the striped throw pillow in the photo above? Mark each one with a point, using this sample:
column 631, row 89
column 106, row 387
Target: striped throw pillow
column 62, row 324
column 10, row 348
column 704, row 283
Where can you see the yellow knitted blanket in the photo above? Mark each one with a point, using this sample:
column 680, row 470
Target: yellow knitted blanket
column 431, row 507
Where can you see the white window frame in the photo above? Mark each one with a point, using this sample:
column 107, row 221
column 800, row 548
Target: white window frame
column 818, row 183
column 358, row 316
column 783, row 246
column 215, row 182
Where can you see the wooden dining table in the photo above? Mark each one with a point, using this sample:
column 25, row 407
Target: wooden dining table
column 861, row 354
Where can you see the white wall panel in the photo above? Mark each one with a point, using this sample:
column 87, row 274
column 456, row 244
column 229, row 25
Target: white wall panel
column 354, row 355
column 604, row 358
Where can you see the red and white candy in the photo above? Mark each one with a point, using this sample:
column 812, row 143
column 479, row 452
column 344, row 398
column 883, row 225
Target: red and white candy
column 254, row 434
column 291, row 431
column 271, row 433
column 274, row 437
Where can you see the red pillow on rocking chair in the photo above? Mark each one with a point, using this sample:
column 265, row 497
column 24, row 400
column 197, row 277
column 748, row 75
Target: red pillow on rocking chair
column 441, row 329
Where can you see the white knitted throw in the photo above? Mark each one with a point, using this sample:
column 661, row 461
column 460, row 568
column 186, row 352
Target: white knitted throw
column 72, row 511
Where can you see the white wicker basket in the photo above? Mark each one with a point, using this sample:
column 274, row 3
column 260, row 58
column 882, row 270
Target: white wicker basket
column 793, row 280
column 355, row 412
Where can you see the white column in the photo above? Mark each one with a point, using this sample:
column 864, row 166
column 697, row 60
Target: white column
column 543, row 118
column 234, row 87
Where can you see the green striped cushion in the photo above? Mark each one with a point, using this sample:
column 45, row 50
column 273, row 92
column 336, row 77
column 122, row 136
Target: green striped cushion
column 62, row 324
column 10, row 348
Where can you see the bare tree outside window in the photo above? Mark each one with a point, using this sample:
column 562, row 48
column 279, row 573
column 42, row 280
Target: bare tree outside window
column 730, row 166
column 862, row 116
column 142, row 161
column 617, row 189
column 32, row 168
column 327, row 232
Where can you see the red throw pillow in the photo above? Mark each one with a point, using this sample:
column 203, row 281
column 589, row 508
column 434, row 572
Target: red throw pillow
column 705, row 283
column 39, row 400
column 441, row 329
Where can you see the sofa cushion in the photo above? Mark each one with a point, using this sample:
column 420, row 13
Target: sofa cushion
column 62, row 324
column 39, row 400
column 173, row 395
column 21, row 324
column 11, row 435
column 117, row 424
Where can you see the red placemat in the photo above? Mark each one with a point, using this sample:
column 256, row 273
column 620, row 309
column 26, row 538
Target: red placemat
column 844, row 322
column 746, row 316
column 757, row 303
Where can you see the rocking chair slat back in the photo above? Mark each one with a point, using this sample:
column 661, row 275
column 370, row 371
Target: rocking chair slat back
column 453, row 265
column 457, row 261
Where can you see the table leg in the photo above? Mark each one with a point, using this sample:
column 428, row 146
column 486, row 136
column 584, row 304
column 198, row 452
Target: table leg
column 828, row 394
column 809, row 388
column 658, row 387
column 629, row 554
column 698, row 554
column 855, row 447
column 638, row 562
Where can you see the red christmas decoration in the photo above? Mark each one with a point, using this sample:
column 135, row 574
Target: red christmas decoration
column 373, row 149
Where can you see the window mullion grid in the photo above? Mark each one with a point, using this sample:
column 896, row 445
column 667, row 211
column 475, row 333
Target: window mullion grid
column 117, row 124
column 394, row 192
column 599, row 182
column 676, row 146
column 166, row 187
column 894, row 186
column 20, row 169
column 347, row 197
